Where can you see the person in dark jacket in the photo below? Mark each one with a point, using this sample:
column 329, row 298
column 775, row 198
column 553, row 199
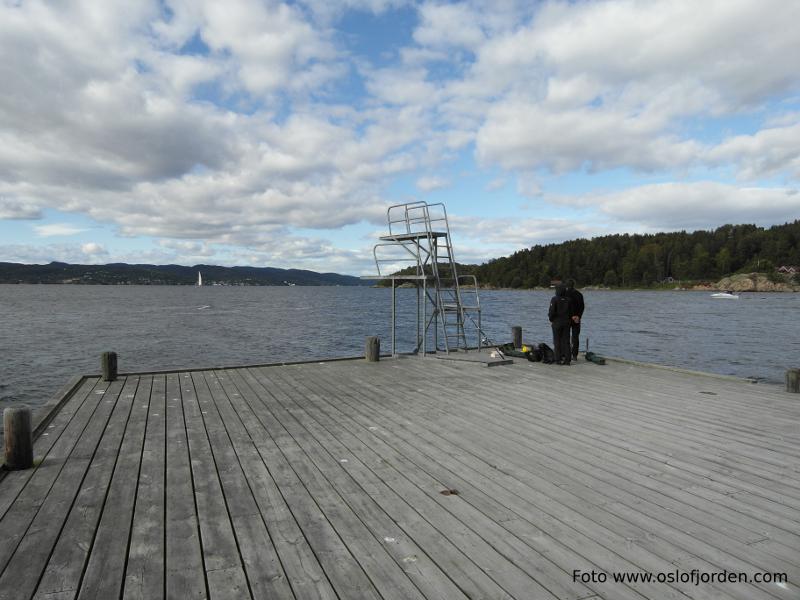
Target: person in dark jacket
column 576, row 298
column 560, row 314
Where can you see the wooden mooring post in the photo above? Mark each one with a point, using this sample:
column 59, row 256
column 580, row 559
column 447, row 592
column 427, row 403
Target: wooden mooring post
column 516, row 335
column 18, row 436
column 372, row 348
column 793, row 381
column 108, row 361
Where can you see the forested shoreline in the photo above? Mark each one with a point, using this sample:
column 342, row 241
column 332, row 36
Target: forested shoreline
column 625, row 260
column 140, row 274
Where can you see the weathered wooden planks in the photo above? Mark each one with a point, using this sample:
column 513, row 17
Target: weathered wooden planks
column 65, row 565
column 323, row 481
column 20, row 577
column 183, row 554
column 104, row 572
column 144, row 572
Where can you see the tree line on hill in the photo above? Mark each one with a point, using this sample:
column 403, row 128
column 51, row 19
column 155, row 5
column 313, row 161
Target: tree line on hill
column 125, row 274
column 625, row 260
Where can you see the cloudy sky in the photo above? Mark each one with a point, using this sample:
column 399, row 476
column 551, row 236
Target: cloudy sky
column 266, row 133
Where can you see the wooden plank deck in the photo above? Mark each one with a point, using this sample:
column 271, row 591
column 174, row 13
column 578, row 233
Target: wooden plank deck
column 325, row 480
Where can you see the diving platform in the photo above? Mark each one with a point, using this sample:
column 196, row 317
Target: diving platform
column 419, row 239
column 413, row 236
column 406, row 479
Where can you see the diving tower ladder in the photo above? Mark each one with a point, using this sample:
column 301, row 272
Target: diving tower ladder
column 447, row 303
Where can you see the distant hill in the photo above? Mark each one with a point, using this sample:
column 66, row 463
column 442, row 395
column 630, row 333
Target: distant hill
column 125, row 274
column 649, row 260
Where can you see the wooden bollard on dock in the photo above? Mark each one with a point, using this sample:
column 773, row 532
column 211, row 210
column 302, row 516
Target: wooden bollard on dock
column 516, row 335
column 108, row 360
column 372, row 349
column 793, row 381
column 18, row 438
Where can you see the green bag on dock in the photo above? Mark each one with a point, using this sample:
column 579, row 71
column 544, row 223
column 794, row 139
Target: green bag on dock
column 510, row 350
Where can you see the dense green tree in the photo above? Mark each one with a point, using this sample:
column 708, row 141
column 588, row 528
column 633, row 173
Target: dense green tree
column 723, row 260
column 701, row 262
column 642, row 260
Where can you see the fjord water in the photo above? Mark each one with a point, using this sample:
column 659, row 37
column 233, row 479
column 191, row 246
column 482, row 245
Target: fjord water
column 51, row 332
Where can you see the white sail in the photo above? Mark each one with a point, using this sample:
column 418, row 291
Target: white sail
column 199, row 278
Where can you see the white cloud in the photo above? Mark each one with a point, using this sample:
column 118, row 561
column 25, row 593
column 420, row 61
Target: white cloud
column 188, row 247
column 263, row 46
column 519, row 135
column 270, row 42
column 124, row 143
column 90, row 253
column 432, row 182
column 401, row 86
column 327, row 11
column 768, row 152
column 181, row 73
column 605, row 85
column 512, row 234
column 446, row 25
column 94, row 249
column 56, row 229
column 282, row 252
column 416, row 57
column 698, row 205
column 315, row 253
column 529, row 186
column 721, row 44
column 495, row 184
column 16, row 208
column 280, row 125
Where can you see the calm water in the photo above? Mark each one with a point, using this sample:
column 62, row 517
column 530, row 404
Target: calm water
column 50, row 332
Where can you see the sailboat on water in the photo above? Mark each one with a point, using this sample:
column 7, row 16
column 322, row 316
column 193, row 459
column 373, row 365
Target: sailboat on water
column 199, row 279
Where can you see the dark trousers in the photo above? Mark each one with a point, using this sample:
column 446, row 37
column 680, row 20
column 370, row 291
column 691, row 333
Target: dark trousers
column 561, row 342
column 575, row 329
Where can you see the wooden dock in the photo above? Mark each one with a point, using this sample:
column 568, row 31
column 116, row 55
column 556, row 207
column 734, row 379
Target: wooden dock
column 407, row 479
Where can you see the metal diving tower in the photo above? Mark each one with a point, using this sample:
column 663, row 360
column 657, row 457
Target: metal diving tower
column 448, row 305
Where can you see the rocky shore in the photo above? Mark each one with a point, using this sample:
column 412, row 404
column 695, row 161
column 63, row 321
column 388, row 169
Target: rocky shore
column 749, row 282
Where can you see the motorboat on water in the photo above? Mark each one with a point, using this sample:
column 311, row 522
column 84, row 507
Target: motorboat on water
column 725, row 294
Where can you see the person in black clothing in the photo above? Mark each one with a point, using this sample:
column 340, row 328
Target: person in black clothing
column 560, row 314
column 576, row 298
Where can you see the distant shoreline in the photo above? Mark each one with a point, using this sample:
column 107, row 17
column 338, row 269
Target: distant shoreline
column 739, row 283
column 206, row 285
column 57, row 273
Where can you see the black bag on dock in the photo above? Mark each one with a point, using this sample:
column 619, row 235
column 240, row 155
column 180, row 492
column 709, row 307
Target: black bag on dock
column 548, row 356
column 595, row 358
column 535, row 355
